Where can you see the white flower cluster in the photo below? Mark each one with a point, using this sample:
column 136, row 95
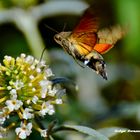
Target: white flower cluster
column 25, row 90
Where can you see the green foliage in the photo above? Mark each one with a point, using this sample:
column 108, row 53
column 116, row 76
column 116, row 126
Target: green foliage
column 128, row 12
column 17, row 3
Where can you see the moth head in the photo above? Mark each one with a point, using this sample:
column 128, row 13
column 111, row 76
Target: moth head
column 61, row 36
column 58, row 38
column 95, row 61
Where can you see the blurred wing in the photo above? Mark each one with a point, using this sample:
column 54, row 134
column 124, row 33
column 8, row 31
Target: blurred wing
column 97, row 15
column 102, row 48
column 85, row 32
column 88, row 23
column 108, row 37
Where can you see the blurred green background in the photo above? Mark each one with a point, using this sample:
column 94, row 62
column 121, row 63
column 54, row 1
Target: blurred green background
column 97, row 103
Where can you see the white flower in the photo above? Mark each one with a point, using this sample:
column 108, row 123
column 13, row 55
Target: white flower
column 13, row 94
column 27, row 91
column 2, row 118
column 28, row 101
column 51, row 110
column 34, row 99
column 4, row 114
column 18, row 84
column 13, row 91
column 45, row 85
column 42, row 63
column 1, row 136
column 31, row 77
column 30, row 84
column 58, row 101
column 9, row 87
column 33, row 89
column 48, row 72
column 32, row 67
column 24, row 130
column 53, row 91
column 38, row 70
column 23, row 55
column 43, row 133
column 8, row 58
column 44, row 109
column 36, row 61
column 29, row 59
column 2, row 132
column 27, row 114
column 13, row 104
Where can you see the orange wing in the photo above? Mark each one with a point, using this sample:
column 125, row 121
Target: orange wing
column 84, row 43
column 88, row 23
column 91, row 20
column 85, row 32
column 102, row 48
column 107, row 38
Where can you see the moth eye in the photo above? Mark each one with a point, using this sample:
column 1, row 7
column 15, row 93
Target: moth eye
column 57, row 37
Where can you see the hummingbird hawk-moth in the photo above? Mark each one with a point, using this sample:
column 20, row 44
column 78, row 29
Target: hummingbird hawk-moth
column 87, row 42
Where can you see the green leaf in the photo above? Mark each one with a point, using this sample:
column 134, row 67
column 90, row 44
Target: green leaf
column 86, row 130
column 112, row 131
column 51, row 138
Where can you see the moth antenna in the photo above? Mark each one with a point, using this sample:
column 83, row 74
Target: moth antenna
column 51, row 28
column 64, row 27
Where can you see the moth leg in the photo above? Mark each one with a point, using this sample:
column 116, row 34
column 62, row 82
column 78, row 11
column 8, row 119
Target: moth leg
column 95, row 61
